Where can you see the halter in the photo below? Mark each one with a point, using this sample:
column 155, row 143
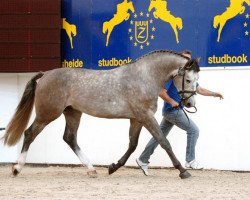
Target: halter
column 182, row 72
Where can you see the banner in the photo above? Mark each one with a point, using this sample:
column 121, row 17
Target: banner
column 105, row 34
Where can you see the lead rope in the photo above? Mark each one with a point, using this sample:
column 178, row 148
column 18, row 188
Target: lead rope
column 182, row 107
column 185, row 112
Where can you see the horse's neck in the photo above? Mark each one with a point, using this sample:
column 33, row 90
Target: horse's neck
column 164, row 66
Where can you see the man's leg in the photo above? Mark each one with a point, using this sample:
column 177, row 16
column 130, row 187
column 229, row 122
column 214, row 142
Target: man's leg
column 192, row 130
column 143, row 160
column 166, row 126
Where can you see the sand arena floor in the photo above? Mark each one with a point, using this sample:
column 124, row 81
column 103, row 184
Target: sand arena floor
column 62, row 182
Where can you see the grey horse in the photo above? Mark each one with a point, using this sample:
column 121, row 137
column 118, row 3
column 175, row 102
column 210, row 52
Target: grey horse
column 130, row 91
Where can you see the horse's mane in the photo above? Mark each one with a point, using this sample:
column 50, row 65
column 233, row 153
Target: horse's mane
column 192, row 62
column 161, row 51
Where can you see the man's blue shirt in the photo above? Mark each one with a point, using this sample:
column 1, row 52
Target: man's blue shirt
column 173, row 93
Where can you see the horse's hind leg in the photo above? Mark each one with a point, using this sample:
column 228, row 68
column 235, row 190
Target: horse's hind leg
column 29, row 136
column 73, row 117
column 134, row 132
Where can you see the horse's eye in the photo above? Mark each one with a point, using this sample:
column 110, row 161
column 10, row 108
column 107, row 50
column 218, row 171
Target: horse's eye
column 188, row 81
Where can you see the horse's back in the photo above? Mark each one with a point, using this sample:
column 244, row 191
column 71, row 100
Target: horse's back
column 96, row 92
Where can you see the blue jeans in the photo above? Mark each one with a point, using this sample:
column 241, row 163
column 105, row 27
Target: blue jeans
column 170, row 119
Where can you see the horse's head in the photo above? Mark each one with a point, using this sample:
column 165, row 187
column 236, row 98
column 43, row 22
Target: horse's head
column 131, row 6
column 186, row 82
column 151, row 5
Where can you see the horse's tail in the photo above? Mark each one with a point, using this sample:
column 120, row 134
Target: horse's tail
column 104, row 27
column 22, row 115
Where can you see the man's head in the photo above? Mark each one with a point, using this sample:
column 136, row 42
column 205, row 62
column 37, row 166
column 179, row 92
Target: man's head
column 186, row 53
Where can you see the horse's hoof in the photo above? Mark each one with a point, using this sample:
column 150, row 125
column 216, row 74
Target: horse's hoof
column 185, row 175
column 15, row 172
column 112, row 168
column 92, row 174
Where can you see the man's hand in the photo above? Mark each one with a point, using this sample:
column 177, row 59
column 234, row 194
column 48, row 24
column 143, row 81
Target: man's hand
column 174, row 104
column 164, row 95
column 217, row 94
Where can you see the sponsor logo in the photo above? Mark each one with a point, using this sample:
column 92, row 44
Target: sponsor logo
column 70, row 29
column 141, row 31
column 141, row 23
column 114, row 62
column 227, row 59
column 75, row 63
column 122, row 14
column 236, row 7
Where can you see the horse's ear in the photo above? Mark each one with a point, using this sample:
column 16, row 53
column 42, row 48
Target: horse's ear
column 189, row 64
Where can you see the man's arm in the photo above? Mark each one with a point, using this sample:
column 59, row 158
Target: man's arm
column 164, row 95
column 205, row 92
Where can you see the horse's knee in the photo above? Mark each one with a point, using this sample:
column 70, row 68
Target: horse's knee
column 216, row 21
column 155, row 15
column 179, row 23
column 165, row 144
column 67, row 138
column 70, row 140
column 242, row 9
column 104, row 27
column 133, row 148
column 133, row 145
column 127, row 17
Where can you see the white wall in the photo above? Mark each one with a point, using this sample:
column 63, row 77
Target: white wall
column 224, row 128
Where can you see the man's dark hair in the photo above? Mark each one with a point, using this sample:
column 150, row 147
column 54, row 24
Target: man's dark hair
column 186, row 51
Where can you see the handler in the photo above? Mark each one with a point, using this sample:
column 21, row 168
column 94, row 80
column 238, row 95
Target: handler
column 172, row 115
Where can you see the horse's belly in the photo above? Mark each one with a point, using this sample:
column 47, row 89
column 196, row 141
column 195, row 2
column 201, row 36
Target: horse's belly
column 105, row 109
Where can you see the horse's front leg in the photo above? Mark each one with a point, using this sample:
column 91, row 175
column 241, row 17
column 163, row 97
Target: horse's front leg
column 243, row 8
column 134, row 132
column 127, row 17
column 176, row 34
column 150, row 123
column 110, row 29
column 222, row 24
column 155, row 15
column 71, row 42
